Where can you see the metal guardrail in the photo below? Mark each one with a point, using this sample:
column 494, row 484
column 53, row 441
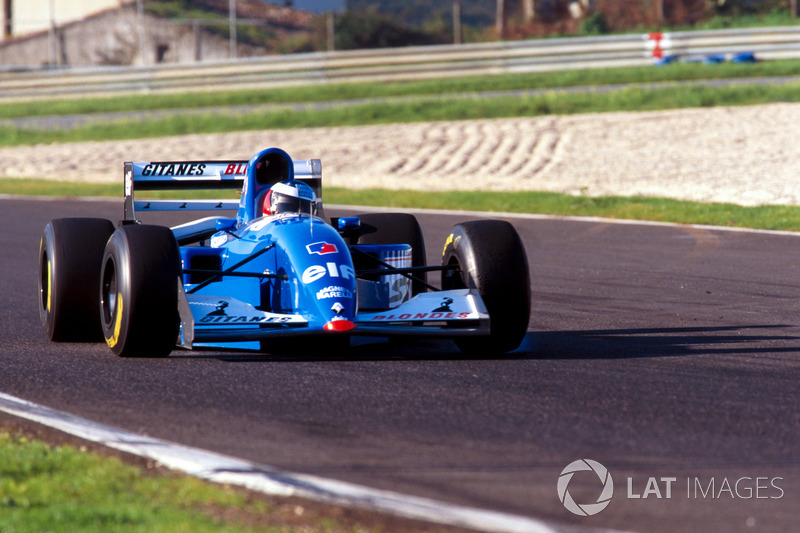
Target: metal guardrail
column 395, row 64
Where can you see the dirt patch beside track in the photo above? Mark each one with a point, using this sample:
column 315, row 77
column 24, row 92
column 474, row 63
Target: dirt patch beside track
column 747, row 155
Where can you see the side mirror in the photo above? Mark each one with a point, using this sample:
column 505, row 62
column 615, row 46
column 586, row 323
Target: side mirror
column 226, row 224
column 348, row 223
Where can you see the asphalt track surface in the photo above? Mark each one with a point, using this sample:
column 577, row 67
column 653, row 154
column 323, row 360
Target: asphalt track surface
column 659, row 351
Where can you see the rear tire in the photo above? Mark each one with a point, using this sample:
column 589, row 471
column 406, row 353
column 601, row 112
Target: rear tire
column 139, row 291
column 70, row 258
column 491, row 258
column 397, row 228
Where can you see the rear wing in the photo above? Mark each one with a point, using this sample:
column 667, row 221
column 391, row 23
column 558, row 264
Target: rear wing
column 198, row 175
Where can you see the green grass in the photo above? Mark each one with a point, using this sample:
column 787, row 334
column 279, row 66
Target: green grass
column 351, row 91
column 61, row 488
column 63, row 189
column 633, row 208
column 772, row 217
column 451, row 99
column 626, row 99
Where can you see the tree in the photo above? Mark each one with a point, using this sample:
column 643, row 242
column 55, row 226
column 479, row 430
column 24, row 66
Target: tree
column 369, row 29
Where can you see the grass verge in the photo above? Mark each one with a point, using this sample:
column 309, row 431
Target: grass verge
column 455, row 99
column 625, row 99
column 61, row 488
column 353, row 91
column 771, row 217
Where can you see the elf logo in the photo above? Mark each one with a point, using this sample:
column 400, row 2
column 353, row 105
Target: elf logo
column 315, row 272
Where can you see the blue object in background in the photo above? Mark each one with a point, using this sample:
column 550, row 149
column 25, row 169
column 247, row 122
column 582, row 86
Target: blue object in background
column 315, row 6
column 665, row 60
column 744, row 57
column 713, row 59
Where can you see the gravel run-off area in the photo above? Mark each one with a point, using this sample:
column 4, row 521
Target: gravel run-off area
column 745, row 155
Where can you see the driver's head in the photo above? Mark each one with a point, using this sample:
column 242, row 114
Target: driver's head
column 289, row 197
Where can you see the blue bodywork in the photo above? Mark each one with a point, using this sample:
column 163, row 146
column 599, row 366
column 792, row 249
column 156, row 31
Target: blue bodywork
column 248, row 278
column 299, row 267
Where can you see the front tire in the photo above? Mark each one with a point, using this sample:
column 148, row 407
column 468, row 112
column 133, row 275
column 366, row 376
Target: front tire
column 139, row 291
column 489, row 256
column 70, row 258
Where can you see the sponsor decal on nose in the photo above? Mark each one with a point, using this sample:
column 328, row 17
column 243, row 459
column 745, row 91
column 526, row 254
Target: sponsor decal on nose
column 321, row 248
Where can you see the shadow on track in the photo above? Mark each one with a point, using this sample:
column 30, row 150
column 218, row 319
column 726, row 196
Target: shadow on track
column 362, row 349
column 545, row 345
column 660, row 342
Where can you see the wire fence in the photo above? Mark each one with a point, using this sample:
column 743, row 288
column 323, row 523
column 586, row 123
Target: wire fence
column 215, row 70
column 124, row 38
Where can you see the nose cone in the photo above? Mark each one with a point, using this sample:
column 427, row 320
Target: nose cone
column 339, row 325
column 326, row 277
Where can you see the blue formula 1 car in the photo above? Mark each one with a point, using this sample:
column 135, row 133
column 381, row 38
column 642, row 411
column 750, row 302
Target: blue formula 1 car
column 276, row 270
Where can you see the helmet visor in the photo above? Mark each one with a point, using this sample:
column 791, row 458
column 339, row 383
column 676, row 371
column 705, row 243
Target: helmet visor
column 282, row 203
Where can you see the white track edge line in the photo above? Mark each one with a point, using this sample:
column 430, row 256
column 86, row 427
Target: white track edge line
column 539, row 216
column 220, row 468
column 493, row 214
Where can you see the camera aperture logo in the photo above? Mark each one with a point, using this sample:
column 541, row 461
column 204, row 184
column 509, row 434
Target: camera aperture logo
column 594, row 474
column 585, row 509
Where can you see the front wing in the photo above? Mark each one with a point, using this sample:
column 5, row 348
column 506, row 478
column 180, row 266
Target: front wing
column 208, row 319
column 446, row 313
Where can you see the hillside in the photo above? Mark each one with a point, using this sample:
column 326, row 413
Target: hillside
column 392, row 23
column 259, row 24
column 198, row 30
column 571, row 17
column 419, row 13
column 280, row 27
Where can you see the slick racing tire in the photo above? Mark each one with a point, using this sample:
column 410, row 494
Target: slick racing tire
column 489, row 256
column 396, row 228
column 70, row 257
column 139, row 291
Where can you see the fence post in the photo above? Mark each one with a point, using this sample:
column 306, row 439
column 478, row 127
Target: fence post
column 528, row 11
column 198, row 40
column 500, row 18
column 51, row 35
column 331, row 28
column 457, row 22
column 142, row 38
column 232, row 23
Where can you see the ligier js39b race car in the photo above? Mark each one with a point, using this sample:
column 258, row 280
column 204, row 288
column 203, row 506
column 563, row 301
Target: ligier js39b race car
column 276, row 270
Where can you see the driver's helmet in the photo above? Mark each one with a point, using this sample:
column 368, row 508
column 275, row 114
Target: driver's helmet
column 289, row 197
